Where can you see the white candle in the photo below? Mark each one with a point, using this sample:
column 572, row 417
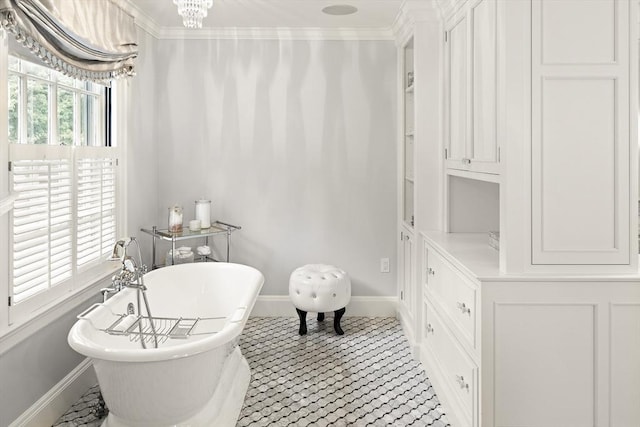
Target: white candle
column 203, row 212
column 194, row 225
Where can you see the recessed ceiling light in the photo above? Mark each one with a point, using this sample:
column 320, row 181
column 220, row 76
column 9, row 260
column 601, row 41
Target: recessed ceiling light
column 340, row 9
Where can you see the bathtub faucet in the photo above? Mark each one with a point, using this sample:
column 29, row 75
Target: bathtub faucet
column 130, row 275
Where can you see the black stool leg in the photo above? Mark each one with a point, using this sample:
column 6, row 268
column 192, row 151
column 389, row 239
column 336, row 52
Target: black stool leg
column 320, row 317
column 303, row 321
column 336, row 321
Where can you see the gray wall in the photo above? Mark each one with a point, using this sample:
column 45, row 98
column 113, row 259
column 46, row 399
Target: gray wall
column 142, row 152
column 32, row 367
column 292, row 140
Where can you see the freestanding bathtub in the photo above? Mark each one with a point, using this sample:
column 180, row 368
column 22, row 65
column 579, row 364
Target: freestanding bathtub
column 197, row 375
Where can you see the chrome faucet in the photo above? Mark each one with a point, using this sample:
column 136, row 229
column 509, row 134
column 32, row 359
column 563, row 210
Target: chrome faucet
column 130, row 275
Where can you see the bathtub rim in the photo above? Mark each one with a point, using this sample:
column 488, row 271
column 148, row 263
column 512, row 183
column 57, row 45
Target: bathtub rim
column 79, row 337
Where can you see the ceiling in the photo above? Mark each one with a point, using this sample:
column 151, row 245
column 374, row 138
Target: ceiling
column 163, row 14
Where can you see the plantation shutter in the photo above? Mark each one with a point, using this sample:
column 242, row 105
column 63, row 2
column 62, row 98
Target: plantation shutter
column 96, row 204
column 42, row 219
column 49, row 243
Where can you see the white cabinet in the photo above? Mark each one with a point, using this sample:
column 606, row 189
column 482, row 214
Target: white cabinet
column 580, row 101
column 498, row 348
column 406, row 282
column 471, row 89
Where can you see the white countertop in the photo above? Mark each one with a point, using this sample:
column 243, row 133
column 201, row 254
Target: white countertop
column 471, row 253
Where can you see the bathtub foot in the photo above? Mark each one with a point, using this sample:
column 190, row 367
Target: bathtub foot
column 320, row 317
column 303, row 321
column 336, row 321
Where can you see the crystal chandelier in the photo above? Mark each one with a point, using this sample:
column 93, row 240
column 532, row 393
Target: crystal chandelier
column 192, row 11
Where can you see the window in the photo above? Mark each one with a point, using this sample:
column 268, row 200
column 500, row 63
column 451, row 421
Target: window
column 65, row 170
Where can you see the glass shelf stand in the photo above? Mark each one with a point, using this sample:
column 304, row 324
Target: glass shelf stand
column 217, row 228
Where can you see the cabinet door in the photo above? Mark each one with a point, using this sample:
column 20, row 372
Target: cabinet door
column 580, row 132
column 457, row 91
column 483, row 149
column 407, row 297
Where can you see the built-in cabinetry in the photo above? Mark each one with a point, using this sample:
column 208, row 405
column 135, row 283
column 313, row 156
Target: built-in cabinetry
column 471, row 142
column 538, row 129
column 498, row 348
column 419, row 153
column 406, row 253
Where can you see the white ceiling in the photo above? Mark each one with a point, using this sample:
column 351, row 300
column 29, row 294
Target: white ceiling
column 163, row 14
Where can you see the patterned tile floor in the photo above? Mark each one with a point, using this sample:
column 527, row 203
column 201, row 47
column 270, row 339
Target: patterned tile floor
column 366, row 377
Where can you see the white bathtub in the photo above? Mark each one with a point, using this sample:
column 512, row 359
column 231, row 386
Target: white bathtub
column 200, row 380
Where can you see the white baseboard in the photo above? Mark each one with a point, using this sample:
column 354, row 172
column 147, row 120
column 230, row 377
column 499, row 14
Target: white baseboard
column 281, row 306
column 409, row 333
column 60, row 398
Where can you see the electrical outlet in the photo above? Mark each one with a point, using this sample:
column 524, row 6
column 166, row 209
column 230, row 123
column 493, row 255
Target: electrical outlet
column 384, row 265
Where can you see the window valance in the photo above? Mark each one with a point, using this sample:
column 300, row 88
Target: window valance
column 85, row 39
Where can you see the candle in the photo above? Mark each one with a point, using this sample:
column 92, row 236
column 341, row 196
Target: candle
column 203, row 212
column 194, row 225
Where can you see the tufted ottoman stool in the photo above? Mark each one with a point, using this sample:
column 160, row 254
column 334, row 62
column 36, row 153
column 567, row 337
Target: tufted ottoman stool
column 319, row 288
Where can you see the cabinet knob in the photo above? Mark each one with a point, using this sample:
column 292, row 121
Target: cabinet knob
column 406, row 237
column 466, row 161
column 431, row 271
column 429, row 328
column 461, row 382
column 463, row 308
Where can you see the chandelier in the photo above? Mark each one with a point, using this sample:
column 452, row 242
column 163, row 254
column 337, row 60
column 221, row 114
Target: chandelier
column 192, row 11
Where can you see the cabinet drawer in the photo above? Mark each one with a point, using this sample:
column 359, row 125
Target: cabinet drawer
column 454, row 293
column 459, row 371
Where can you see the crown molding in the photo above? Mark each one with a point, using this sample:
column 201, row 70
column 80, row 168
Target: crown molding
column 149, row 25
column 141, row 19
column 412, row 12
column 276, row 33
column 449, row 7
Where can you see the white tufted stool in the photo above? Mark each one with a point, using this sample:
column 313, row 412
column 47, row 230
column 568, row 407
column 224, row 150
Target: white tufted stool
column 319, row 288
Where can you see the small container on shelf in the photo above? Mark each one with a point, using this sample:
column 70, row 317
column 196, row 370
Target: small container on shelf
column 409, row 79
column 203, row 212
column 494, row 240
column 175, row 219
column 183, row 255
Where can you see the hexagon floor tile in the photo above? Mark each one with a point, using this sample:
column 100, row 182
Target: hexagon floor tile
column 365, row 377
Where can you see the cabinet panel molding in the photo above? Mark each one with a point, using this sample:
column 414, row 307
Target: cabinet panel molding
column 458, row 102
column 484, row 82
column 577, row 31
column 624, row 375
column 576, row 205
column 540, row 344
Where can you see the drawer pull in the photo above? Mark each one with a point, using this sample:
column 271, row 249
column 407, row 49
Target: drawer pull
column 431, row 271
column 463, row 308
column 429, row 328
column 461, row 382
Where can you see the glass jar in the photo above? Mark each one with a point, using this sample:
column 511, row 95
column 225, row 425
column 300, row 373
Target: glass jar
column 175, row 219
column 203, row 212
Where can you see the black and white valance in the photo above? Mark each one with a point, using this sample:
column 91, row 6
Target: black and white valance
column 85, row 39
